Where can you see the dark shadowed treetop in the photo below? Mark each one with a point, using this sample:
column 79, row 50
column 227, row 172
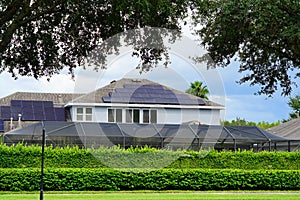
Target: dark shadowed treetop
column 39, row 38
column 263, row 35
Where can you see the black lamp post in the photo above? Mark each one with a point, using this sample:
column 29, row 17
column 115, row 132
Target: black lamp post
column 42, row 166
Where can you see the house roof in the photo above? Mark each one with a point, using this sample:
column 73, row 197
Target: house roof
column 124, row 87
column 289, row 129
column 58, row 99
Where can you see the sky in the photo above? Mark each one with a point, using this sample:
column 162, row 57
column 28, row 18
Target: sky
column 239, row 100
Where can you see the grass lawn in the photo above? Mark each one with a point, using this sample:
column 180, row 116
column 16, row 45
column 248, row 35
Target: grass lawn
column 148, row 195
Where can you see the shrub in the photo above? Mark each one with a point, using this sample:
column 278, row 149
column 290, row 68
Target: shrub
column 21, row 156
column 66, row 179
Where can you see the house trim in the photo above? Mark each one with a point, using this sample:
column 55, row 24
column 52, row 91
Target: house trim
column 145, row 105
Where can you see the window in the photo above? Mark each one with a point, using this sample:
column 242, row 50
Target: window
column 84, row 114
column 110, row 115
column 146, row 117
column 128, row 116
column 153, row 118
column 89, row 114
column 150, row 116
column 79, row 114
column 118, row 115
column 114, row 115
column 134, row 115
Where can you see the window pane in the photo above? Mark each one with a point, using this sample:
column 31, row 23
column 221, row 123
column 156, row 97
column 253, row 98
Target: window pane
column 153, row 116
column 118, row 115
column 79, row 117
column 145, row 116
column 79, row 110
column 128, row 116
column 136, row 116
column 89, row 111
column 110, row 115
column 89, row 117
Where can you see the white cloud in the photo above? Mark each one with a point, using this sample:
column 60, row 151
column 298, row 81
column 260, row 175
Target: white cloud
column 58, row 83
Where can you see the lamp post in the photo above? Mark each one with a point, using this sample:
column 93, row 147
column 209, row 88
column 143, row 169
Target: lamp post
column 42, row 166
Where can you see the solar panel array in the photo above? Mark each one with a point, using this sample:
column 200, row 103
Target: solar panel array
column 32, row 111
column 149, row 94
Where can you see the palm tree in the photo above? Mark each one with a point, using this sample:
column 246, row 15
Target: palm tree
column 198, row 89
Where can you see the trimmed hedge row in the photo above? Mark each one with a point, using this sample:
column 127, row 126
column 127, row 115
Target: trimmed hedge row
column 21, row 156
column 67, row 179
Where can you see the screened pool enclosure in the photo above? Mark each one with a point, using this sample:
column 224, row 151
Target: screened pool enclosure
column 167, row 136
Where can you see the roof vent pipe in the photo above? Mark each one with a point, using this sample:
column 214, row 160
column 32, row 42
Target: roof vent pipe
column 19, row 120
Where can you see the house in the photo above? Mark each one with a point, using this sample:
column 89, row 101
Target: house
column 123, row 101
column 127, row 112
column 142, row 101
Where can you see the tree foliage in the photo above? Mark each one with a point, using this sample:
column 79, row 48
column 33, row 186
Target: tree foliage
column 243, row 122
column 294, row 103
column 40, row 38
column 263, row 35
column 198, row 89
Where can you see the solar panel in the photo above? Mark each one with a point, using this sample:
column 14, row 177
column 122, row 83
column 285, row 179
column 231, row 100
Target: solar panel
column 201, row 102
column 38, row 109
column 5, row 112
column 17, row 103
column 149, row 94
column 48, row 104
column 39, row 116
column 26, row 103
column 60, row 114
column 49, row 114
column 106, row 99
column 27, row 116
column 1, row 125
column 38, row 103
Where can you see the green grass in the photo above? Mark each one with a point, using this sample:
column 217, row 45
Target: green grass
column 147, row 195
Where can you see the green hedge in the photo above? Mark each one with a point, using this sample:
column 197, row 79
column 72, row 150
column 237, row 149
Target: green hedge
column 21, row 156
column 167, row 179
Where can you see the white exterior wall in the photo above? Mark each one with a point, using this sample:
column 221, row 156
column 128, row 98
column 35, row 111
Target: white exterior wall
column 179, row 116
column 164, row 116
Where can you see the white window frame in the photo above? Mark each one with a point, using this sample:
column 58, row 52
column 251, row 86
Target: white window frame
column 132, row 118
column 128, row 115
column 114, row 113
column 85, row 115
column 150, row 116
